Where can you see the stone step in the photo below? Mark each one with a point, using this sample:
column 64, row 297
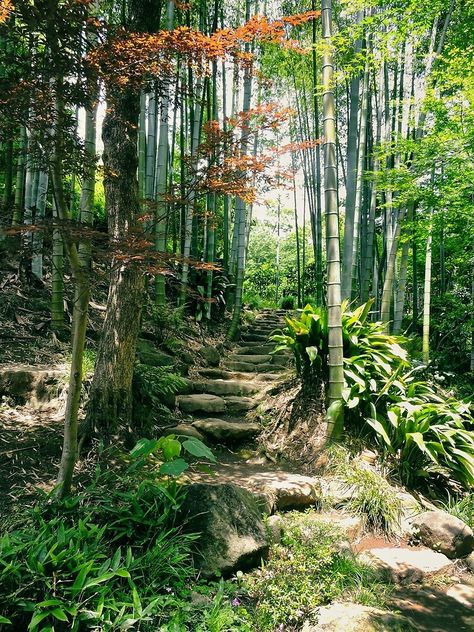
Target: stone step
column 227, row 431
column 226, row 387
column 222, row 374
column 246, row 367
column 204, row 403
column 237, row 404
column 252, row 358
column 258, row 350
column 254, row 338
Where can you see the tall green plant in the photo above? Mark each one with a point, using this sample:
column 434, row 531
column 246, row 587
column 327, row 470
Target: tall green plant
column 427, row 435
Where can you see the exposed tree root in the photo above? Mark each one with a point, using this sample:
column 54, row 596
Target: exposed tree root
column 298, row 428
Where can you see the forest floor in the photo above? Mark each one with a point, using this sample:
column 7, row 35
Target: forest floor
column 30, row 446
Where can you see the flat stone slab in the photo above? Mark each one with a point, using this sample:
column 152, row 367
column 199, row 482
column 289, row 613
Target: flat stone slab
column 201, row 403
column 186, row 430
column 352, row 617
column 244, row 367
column 238, row 404
column 225, row 387
column 405, row 565
column 252, row 359
column 285, row 490
column 463, row 594
column 228, row 431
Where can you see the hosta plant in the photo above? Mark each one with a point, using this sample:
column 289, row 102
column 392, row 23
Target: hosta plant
column 429, row 436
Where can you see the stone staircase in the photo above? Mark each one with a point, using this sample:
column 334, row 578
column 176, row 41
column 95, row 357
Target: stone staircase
column 219, row 399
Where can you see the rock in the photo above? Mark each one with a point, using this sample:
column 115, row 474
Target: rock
column 353, row 526
column 238, row 404
column 335, row 491
column 352, row 617
column 444, row 533
column 222, row 430
column 149, row 355
column 201, row 403
column 244, row 367
column 275, row 527
column 232, row 535
column 462, row 593
column 211, row 355
column 284, row 490
column 226, row 387
column 32, row 385
column 186, row 430
column 405, row 565
column 470, row 562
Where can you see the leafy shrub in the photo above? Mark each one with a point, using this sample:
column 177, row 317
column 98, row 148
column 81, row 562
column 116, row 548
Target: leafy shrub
column 101, row 560
column 428, row 435
column 168, row 322
column 153, row 390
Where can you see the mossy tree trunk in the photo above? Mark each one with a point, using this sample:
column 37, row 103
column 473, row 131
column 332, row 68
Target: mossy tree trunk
column 110, row 405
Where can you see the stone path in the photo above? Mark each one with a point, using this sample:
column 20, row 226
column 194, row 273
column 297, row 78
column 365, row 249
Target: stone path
column 221, row 400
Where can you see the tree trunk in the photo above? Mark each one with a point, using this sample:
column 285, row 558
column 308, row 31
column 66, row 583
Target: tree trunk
column 109, row 413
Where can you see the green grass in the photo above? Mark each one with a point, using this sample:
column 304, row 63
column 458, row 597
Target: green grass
column 305, row 571
column 374, row 498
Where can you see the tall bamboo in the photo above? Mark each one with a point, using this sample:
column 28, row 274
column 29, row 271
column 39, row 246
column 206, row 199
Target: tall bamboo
column 336, row 372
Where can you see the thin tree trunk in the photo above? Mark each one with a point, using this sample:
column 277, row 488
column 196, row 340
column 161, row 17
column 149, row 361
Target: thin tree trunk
column 427, row 294
column 352, row 176
column 37, row 241
column 20, row 180
column 86, row 203
column 240, row 205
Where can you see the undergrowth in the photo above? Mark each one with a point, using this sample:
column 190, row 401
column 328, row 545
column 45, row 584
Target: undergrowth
column 374, row 499
column 308, row 569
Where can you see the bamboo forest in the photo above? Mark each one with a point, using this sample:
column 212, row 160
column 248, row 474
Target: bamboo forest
column 236, row 315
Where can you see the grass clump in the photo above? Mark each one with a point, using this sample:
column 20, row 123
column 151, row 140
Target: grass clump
column 462, row 508
column 309, row 568
column 374, row 499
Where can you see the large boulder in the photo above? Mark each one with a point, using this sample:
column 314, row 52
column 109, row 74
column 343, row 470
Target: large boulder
column 352, row 617
column 232, row 535
column 444, row 533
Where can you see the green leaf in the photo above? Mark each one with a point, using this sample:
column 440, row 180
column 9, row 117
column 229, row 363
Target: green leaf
column 312, row 353
column 199, row 449
column 5, row 620
column 170, row 447
column 40, row 616
column 144, row 447
column 59, row 614
column 380, row 430
column 174, row 468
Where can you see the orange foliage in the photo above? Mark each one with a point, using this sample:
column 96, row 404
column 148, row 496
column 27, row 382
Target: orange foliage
column 131, row 57
column 6, row 6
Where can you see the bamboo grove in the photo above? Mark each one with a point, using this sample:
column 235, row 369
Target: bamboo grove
column 141, row 136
